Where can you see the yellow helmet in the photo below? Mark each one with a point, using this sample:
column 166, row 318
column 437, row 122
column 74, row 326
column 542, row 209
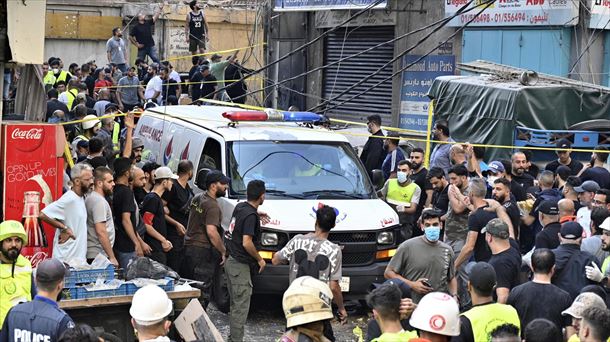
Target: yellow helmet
column 307, row 300
column 10, row 228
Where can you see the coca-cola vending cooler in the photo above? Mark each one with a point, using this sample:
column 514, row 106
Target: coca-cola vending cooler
column 32, row 167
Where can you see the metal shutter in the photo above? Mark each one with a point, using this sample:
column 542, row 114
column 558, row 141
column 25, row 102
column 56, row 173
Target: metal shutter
column 339, row 77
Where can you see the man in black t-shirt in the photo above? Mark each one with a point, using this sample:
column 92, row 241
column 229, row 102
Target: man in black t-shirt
column 563, row 154
column 539, row 298
column 548, row 215
column 142, row 37
column 440, row 188
column 505, row 258
column 206, row 86
column 419, row 176
column 125, row 215
column 519, row 174
column 501, row 193
column 178, row 201
column 154, row 215
column 241, row 240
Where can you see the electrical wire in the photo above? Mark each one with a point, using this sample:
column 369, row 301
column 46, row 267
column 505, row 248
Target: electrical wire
column 399, row 56
column 311, row 42
column 460, row 29
column 442, row 21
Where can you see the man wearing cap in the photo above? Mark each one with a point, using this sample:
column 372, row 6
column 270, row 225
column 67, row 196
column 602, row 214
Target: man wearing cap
column 69, row 216
column 586, row 191
column 41, row 319
column 505, row 258
column 137, row 147
column 204, row 83
column 150, row 310
column 571, row 261
column 563, row 153
column 594, row 273
column 581, row 303
column 394, row 155
column 477, row 323
column 15, row 269
column 154, row 215
column 548, row 215
column 204, row 249
column 217, row 69
column 372, row 155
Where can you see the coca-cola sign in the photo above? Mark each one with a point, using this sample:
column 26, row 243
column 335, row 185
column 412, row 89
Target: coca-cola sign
column 26, row 139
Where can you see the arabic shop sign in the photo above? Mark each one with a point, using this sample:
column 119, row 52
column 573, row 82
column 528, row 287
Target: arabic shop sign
column 318, row 5
column 516, row 13
column 416, row 82
column 600, row 14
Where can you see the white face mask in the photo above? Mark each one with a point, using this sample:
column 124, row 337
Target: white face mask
column 491, row 180
column 401, row 176
column 55, row 71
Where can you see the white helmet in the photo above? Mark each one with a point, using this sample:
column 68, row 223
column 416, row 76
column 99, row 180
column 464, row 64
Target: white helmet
column 150, row 305
column 437, row 313
column 307, row 300
column 91, row 121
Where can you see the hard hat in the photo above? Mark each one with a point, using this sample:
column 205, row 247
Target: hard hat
column 150, row 305
column 91, row 122
column 307, row 300
column 12, row 228
column 437, row 313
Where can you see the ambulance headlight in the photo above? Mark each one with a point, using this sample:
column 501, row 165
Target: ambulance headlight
column 269, row 239
column 385, row 238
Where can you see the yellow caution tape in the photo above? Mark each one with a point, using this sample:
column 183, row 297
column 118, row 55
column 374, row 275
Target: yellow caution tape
column 181, row 83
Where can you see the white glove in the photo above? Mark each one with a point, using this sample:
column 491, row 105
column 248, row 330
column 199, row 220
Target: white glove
column 594, row 273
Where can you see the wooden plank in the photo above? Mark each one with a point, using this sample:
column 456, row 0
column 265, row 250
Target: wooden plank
column 76, row 26
column 119, row 300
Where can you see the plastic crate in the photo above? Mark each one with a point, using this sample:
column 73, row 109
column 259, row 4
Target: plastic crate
column 83, row 293
column 132, row 288
column 88, row 276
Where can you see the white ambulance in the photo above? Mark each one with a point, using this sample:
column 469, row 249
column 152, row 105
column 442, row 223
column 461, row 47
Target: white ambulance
column 302, row 165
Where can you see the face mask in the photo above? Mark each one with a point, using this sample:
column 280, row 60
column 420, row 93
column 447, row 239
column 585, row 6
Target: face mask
column 401, row 176
column 432, row 233
column 491, row 180
column 55, row 71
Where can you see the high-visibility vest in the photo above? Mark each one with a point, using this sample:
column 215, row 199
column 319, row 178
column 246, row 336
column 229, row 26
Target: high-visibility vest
column 71, row 95
column 399, row 336
column 49, row 79
column 63, row 75
column 485, row 318
column 606, row 265
column 400, row 195
column 116, row 133
column 15, row 286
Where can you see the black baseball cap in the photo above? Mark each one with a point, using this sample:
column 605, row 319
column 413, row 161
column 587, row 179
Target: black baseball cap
column 51, row 270
column 216, row 176
column 563, row 143
column 549, row 207
column 587, row 186
column 121, row 165
column 571, row 230
column 482, row 277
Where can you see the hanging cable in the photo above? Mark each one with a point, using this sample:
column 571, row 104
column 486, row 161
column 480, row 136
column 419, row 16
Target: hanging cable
column 324, row 34
column 460, row 29
column 442, row 21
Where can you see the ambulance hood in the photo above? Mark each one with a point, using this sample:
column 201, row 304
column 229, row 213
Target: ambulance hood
column 352, row 215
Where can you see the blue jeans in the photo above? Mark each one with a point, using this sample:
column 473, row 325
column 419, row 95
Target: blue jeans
column 122, row 67
column 151, row 51
column 7, row 85
column 124, row 258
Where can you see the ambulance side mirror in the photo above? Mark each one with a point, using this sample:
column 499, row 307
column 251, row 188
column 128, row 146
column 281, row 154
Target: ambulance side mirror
column 200, row 179
column 377, row 178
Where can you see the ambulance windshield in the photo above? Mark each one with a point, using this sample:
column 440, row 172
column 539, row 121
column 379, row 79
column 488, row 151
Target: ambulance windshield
column 299, row 170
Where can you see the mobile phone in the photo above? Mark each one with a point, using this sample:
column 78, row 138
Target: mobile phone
column 426, row 282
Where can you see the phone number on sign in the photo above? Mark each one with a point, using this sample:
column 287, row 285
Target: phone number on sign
column 518, row 17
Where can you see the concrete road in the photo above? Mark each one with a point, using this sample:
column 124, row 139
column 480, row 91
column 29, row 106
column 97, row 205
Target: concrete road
column 266, row 321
